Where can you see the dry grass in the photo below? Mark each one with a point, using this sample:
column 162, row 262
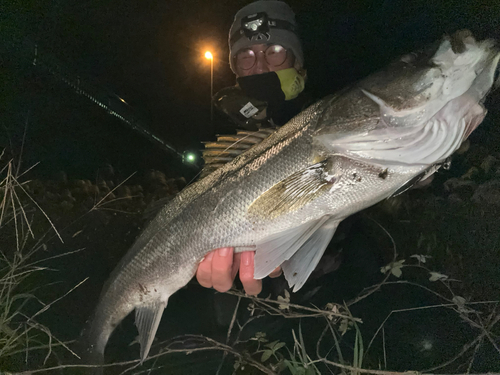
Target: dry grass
column 20, row 332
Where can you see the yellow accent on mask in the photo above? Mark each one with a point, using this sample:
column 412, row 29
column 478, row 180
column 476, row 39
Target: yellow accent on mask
column 292, row 83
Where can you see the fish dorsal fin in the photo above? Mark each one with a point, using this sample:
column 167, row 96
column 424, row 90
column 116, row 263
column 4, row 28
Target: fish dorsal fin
column 296, row 190
column 298, row 268
column 274, row 250
column 147, row 319
column 228, row 147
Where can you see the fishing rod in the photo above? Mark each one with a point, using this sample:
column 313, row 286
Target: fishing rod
column 112, row 103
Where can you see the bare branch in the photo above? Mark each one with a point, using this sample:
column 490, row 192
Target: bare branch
column 298, row 307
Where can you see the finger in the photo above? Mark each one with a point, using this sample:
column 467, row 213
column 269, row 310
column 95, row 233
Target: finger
column 222, row 264
column 252, row 286
column 204, row 271
column 276, row 272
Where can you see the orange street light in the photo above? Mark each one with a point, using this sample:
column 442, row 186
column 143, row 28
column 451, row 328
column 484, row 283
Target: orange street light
column 209, row 56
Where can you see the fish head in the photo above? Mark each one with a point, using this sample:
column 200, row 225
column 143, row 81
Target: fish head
column 436, row 74
column 419, row 109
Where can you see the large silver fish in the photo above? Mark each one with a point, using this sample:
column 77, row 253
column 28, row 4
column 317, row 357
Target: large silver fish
column 285, row 197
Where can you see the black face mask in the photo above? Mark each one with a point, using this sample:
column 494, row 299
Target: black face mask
column 265, row 87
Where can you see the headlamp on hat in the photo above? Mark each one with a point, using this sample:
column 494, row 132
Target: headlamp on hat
column 259, row 24
column 255, row 24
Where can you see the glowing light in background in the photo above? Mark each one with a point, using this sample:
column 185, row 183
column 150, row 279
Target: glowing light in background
column 189, row 157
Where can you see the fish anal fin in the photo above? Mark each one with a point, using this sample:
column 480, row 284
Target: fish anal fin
column 299, row 267
column 295, row 191
column 147, row 319
column 276, row 249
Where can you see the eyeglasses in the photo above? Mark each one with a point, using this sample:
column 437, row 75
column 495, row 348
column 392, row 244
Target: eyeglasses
column 274, row 54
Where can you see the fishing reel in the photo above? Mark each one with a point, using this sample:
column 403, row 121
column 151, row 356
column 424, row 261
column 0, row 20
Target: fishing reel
column 255, row 24
column 246, row 112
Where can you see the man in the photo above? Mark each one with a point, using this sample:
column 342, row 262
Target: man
column 266, row 56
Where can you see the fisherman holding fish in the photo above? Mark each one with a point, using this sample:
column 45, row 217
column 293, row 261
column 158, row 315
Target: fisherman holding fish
column 285, row 197
column 266, row 56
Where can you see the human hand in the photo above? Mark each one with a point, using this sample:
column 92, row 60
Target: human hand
column 219, row 268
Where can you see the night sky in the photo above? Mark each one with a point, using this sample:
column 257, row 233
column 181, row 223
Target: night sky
column 150, row 53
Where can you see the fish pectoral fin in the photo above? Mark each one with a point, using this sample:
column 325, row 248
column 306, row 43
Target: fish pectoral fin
column 280, row 247
column 295, row 191
column 147, row 319
column 298, row 268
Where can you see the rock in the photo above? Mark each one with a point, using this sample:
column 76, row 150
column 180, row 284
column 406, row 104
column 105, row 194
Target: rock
column 36, row 187
column 88, row 203
column 181, row 183
column 160, row 178
column 471, row 173
column 136, row 189
column 76, row 187
column 103, row 187
column 66, row 195
column 162, row 193
column 497, row 172
column 77, row 192
column 171, row 181
column 488, row 193
column 459, row 187
column 488, row 163
column 51, row 196
column 93, row 190
column 66, row 205
column 455, row 199
column 123, row 191
column 464, row 147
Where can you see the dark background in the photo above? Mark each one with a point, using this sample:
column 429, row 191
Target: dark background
column 150, row 53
